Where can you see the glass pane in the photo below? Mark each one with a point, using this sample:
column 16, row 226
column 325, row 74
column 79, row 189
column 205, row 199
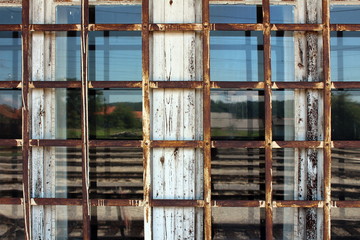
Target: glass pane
column 282, row 56
column 11, row 172
column 345, row 180
column 235, row 14
column 116, row 173
column 10, row 15
column 345, row 223
column 237, row 115
column 115, row 14
column 344, row 14
column 117, row 222
column 12, row 222
column 238, row 223
column 10, row 114
column 68, row 14
column 236, row 56
column 283, row 115
column 10, row 56
column 68, row 59
column 345, row 115
column 238, row 174
column 69, row 222
column 115, row 114
column 284, row 182
column 282, row 14
column 115, row 56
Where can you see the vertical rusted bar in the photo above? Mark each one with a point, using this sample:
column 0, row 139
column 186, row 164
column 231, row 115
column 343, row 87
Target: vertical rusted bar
column 327, row 118
column 268, row 118
column 206, row 120
column 146, row 119
column 25, row 115
column 84, row 117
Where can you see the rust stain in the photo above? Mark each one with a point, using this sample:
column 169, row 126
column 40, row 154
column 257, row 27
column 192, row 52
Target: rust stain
column 162, row 160
column 171, row 2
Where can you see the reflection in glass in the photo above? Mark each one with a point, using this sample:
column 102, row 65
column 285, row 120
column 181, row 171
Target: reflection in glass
column 344, row 14
column 282, row 56
column 235, row 14
column 236, row 56
column 129, row 14
column 115, row 114
column 345, row 116
column 11, row 222
column 10, row 15
column 116, row 173
column 10, row 56
column 345, row 53
column 68, row 113
column 117, row 222
column 238, row 223
column 68, row 14
column 284, row 174
column 238, row 174
column 10, row 172
column 69, row 222
column 10, row 114
column 345, row 223
column 283, row 115
column 237, row 115
column 115, row 56
column 282, row 14
column 345, row 173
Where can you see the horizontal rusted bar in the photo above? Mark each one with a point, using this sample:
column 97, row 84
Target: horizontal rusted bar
column 296, row 27
column 176, row 144
column 345, row 27
column 115, row 84
column 177, row 203
column 115, row 27
column 345, row 144
column 237, row 203
column 297, row 85
column 10, row 27
column 176, row 27
column 346, row 204
column 299, row 204
column 55, row 84
column 55, row 27
column 115, row 143
column 176, row 84
column 336, row 85
column 236, row 27
column 297, row 144
column 11, row 201
column 116, row 202
column 237, row 144
column 54, row 143
column 239, row 85
column 11, row 142
column 56, row 201
column 10, row 84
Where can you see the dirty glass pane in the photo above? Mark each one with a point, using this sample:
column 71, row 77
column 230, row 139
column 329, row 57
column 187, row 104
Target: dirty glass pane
column 282, row 56
column 11, row 222
column 345, row 14
column 238, row 174
column 238, row 223
column 236, row 56
column 10, row 56
column 68, row 222
column 235, row 13
column 115, row 114
column 345, row 174
column 237, row 115
column 116, row 173
column 115, row 56
column 282, row 14
column 117, row 222
column 10, row 15
column 345, row 115
column 345, row 223
column 345, row 52
column 115, row 14
column 10, row 173
column 68, row 14
column 283, row 115
column 10, row 114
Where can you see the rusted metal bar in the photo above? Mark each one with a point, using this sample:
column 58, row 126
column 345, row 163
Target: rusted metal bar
column 115, row 27
column 176, row 27
column 237, row 203
column 10, row 84
column 327, row 118
column 344, row 27
column 115, row 143
column 297, row 144
column 56, row 201
column 297, row 85
column 239, row 85
column 115, row 84
column 55, row 84
column 55, row 27
column 297, row 27
column 235, row 27
column 345, row 144
column 238, row 144
column 25, row 116
column 336, row 85
column 176, row 144
column 176, row 84
column 10, row 27
column 346, row 204
column 11, row 201
column 299, row 204
column 54, row 143
column 116, row 202
column 177, row 203
column 11, row 142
